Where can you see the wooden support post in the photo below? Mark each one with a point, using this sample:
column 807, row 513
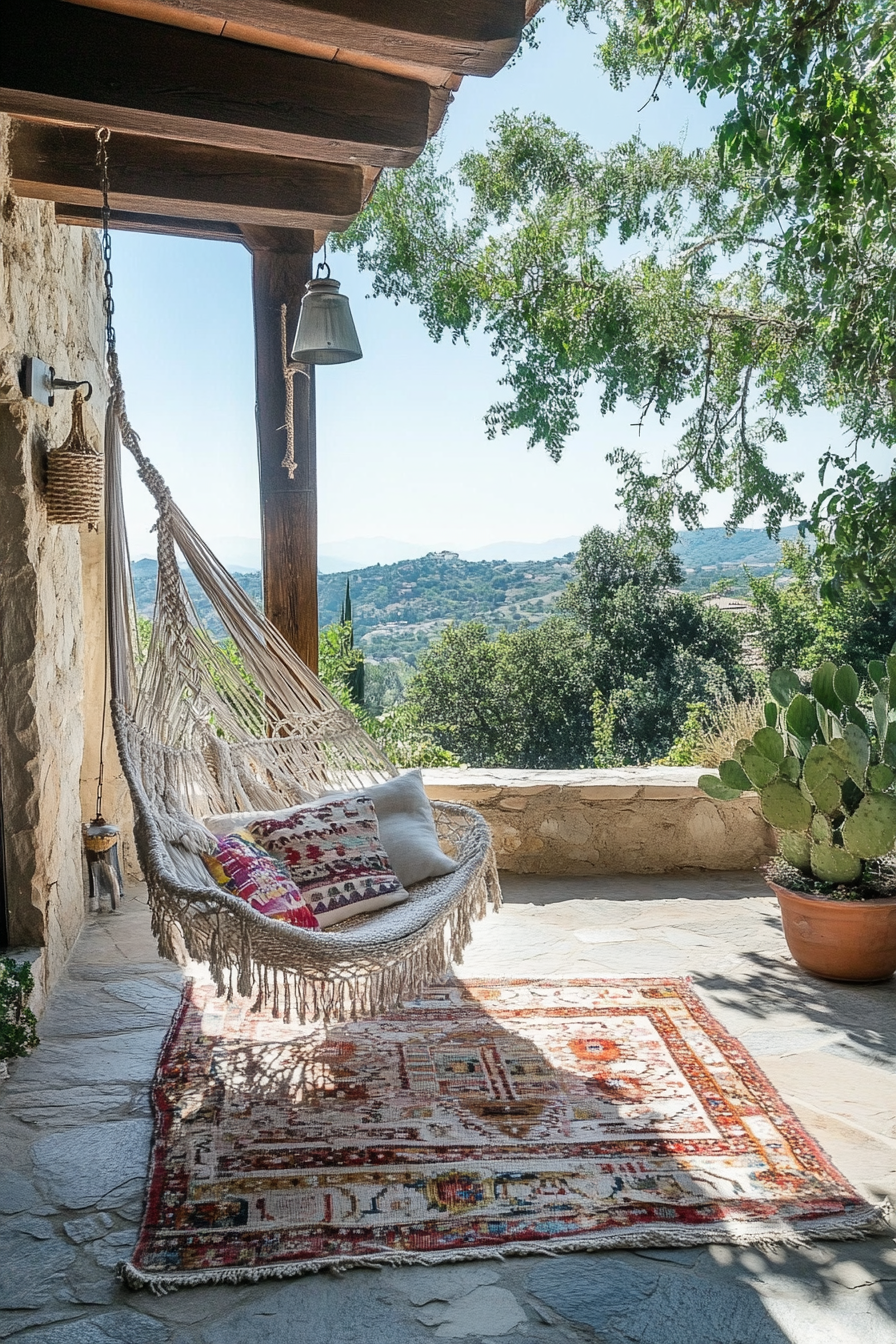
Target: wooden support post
column 288, row 507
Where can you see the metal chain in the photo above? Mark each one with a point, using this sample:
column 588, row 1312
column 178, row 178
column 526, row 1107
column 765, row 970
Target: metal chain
column 102, row 163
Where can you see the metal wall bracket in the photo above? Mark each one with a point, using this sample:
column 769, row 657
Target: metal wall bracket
column 39, row 382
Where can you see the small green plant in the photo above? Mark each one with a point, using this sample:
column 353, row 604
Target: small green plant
column 18, row 1024
column 603, row 718
column 685, row 750
column 824, row 772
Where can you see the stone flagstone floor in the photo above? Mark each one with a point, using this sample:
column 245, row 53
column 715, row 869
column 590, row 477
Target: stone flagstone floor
column 75, row 1128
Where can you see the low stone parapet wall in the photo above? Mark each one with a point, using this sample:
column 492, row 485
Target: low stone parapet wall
column 650, row 819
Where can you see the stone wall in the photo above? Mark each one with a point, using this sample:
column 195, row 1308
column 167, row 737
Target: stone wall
column 578, row 822
column 51, row 307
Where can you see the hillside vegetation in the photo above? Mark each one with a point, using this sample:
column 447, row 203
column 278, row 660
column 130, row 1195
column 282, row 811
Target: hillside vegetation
column 399, row 609
column 709, row 555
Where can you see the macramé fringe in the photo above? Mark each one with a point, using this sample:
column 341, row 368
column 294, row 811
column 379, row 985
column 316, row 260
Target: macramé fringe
column 359, row 973
column 844, row 1227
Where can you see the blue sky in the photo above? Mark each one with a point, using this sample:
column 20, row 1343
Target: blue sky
column 402, row 448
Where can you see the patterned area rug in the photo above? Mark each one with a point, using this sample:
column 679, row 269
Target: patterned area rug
column 488, row 1117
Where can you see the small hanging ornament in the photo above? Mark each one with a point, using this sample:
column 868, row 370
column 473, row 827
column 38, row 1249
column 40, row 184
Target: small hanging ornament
column 75, row 475
column 103, row 869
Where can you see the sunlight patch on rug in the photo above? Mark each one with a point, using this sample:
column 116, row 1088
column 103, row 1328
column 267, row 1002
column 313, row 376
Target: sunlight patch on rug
column 488, row 1117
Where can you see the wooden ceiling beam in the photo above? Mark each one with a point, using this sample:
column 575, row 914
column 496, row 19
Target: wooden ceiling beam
column 467, row 37
column 92, row 68
column 182, row 180
column 91, row 217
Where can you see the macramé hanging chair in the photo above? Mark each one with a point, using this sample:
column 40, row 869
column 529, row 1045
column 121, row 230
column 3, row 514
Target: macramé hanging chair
column 198, row 736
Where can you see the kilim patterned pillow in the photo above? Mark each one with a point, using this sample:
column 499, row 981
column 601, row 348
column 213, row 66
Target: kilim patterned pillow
column 334, row 856
column 244, row 868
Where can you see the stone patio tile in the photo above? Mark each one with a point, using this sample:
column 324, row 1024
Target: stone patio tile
column 111, row 1327
column 115, row 1247
column 125, row 1197
column 92, row 1292
column 55, row 1108
column 441, row 1283
column 198, row 1304
column 122, row 970
column 486, row 1312
column 29, row 1267
column 78, row 1168
column 129, row 1058
column 692, row 886
column 738, row 1298
column 835, row 1084
column 644, row 957
column 13, row 1323
column 31, row 1225
column 16, row 1193
column 724, row 930
column 147, row 994
column 90, row 1228
column 88, row 1010
column 690, row 938
column 789, row 1041
column 612, row 934
column 319, row 1309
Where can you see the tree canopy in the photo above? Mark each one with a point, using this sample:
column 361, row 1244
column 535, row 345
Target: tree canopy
column 625, row 654
column 798, row 625
column 757, row 279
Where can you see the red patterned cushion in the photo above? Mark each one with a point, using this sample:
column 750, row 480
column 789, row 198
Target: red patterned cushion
column 334, row 856
column 243, row 867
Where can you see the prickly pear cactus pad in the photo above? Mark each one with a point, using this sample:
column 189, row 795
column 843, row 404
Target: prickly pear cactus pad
column 824, row 767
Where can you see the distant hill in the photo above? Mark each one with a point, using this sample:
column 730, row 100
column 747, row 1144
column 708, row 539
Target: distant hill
column 749, row 546
column 710, row 555
column 400, row 608
column 524, row 550
column 362, row 552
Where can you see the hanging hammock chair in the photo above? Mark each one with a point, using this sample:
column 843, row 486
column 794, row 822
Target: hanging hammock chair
column 200, row 734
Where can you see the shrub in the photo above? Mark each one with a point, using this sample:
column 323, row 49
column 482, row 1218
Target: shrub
column 18, row 1024
column 728, row 723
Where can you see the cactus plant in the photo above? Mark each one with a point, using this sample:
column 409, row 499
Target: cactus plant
column 825, row 772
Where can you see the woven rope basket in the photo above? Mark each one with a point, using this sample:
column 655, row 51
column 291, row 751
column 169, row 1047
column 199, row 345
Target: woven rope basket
column 75, row 475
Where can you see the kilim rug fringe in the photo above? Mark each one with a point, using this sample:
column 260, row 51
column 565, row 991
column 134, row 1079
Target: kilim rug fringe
column 483, row 1120
column 855, row 1227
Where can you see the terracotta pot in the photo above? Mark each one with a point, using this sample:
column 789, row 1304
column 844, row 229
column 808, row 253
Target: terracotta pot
column 840, row 940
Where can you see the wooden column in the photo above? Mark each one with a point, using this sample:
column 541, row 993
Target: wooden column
column 288, row 507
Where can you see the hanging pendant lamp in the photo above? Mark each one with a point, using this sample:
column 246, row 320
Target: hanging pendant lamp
column 326, row 333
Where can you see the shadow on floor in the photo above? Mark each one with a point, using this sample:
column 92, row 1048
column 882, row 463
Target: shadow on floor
column 728, row 1294
column 684, row 885
column 863, row 1016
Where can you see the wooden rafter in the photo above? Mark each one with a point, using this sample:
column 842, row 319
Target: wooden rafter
column 466, row 37
column 91, row 217
column 169, row 177
column 93, row 68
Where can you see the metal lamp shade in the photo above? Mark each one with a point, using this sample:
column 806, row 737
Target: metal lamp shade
column 326, row 333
